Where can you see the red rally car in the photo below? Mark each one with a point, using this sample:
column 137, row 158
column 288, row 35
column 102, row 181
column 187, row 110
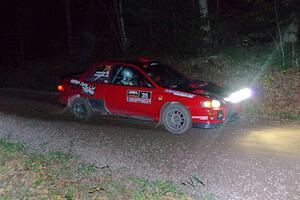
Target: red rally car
column 149, row 90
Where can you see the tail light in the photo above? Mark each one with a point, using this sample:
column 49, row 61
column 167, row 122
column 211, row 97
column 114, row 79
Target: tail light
column 60, row 88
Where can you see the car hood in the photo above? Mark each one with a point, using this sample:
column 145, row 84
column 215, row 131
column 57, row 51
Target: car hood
column 204, row 88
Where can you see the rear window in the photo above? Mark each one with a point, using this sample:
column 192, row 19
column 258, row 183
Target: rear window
column 101, row 75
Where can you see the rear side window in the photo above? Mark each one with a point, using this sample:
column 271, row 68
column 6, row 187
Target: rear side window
column 101, row 75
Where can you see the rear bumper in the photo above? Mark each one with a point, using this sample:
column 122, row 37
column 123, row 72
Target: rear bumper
column 62, row 99
column 231, row 117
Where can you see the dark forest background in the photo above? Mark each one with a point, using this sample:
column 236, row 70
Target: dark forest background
column 85, row 31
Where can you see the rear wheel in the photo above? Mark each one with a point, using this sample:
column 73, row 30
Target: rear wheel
column 176, row 118
column 81, row 110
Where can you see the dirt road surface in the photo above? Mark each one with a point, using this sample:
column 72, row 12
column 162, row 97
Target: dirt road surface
column 247, row 159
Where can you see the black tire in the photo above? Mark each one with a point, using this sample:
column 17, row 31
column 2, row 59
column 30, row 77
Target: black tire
column 81, row 110
column 176, row 118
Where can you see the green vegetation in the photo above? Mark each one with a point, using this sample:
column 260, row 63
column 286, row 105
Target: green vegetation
column 61, row 176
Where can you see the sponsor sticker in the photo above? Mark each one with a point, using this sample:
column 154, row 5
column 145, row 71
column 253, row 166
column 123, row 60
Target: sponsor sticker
column 133, row 93
column 86, row 88
column 136, row 96
column 200, row 117
column 101, row 74
column 181, row 94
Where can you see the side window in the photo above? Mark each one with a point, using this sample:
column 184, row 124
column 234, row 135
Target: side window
column 101, row 75
column 123, row 75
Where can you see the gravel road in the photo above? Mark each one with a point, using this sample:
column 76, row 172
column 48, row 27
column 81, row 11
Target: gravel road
column 247, row 159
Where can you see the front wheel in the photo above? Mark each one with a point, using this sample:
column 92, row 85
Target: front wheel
column 176, row 118
column 81, row 110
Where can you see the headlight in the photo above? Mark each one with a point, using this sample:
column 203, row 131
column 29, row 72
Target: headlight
column 239, row 95
column 211, row 104
column 215, row 103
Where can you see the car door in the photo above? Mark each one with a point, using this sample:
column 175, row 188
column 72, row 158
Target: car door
column 133, row 96
column 93, row 87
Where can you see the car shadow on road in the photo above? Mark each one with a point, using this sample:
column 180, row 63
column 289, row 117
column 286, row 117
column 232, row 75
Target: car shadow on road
column 42, row 108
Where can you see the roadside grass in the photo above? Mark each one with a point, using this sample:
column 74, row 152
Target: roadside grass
column 61, row 176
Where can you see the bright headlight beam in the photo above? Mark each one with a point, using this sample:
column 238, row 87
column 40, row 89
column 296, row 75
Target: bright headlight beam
column 239, row 95
column 246, row 93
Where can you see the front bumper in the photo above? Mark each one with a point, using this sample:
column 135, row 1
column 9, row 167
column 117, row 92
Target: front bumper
column 207, row 125
column 230, row 117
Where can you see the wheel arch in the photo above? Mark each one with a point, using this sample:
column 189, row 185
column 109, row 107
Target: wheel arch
column 88, row 110
column 77, row 96
column 71, row 98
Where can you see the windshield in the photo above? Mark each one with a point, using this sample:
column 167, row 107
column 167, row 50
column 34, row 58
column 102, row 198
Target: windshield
column 165, row 76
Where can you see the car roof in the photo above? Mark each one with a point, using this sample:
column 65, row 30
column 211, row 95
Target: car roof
column 140, row 62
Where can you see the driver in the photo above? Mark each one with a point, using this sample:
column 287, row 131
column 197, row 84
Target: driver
column 128, row 78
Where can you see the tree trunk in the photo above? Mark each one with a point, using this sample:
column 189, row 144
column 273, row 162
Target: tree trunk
column 203, row 9
column 116, row 45
column 121, row 24
column 69, row 27
column 218, row 7
column 281, row 44
column 204, row 14
column 22, row 53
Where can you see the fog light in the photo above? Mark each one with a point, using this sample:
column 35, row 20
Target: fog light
column 220, row 115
